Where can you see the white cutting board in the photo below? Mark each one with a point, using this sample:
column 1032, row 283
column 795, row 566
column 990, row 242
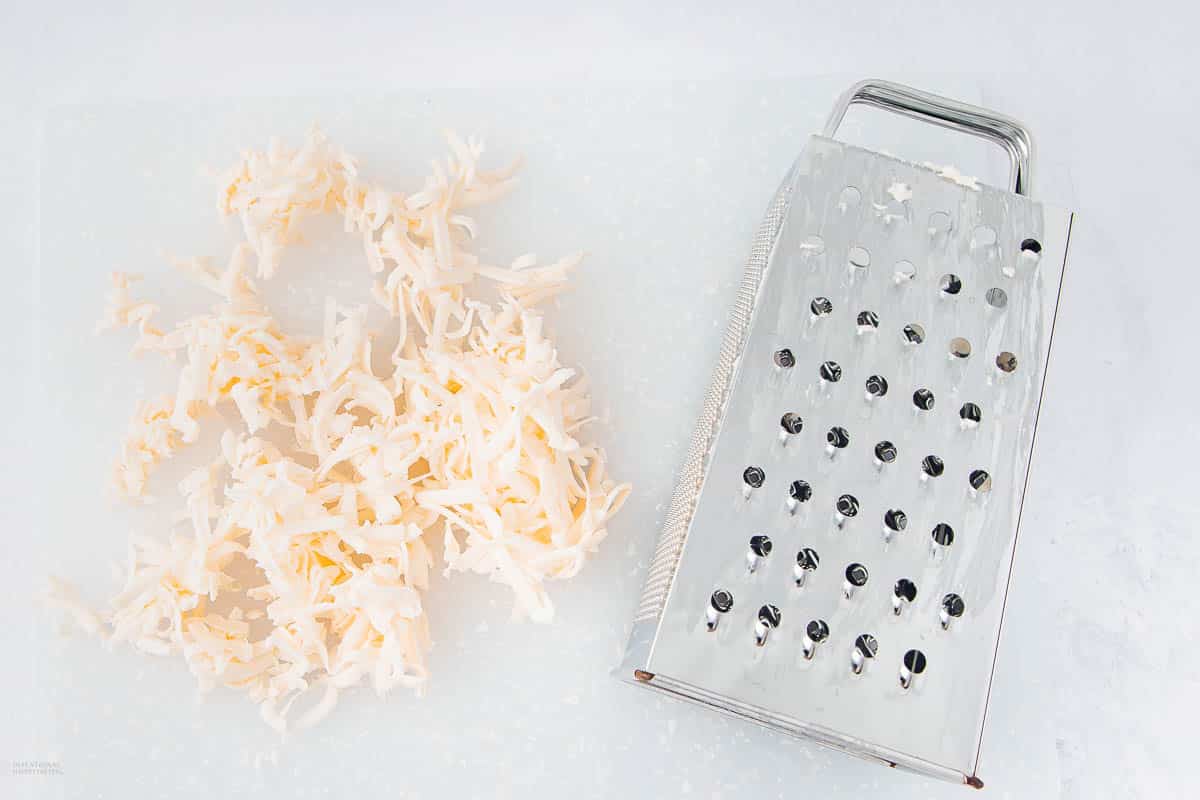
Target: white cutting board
column 662, row 185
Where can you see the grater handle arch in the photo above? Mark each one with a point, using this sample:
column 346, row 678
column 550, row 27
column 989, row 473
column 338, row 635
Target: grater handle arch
column 1005, row 131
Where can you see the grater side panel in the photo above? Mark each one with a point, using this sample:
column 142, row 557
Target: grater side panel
column 938, row 720
column 691, row 475
column 1061, row 256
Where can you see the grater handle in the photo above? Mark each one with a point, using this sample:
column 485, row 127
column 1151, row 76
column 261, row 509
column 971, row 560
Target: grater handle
column 1005, row 131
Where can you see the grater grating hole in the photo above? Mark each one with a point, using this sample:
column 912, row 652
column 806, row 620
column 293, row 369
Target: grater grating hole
column 849, row 198
column 970, row 414
column 939, row 223
column 815, row 632
column 899, row 191
column 838, row 437
column 784, row 358
column 859, row 257
column 996, row 297
column 885, row 452
column 980, row 481
column 813, row 244
column 983, row 237
column 953, row 605
column 923, row 399
column 1006, row 361
column 912, row 665
column 959, row 347
column 950, row 284
column 800, row 491
column 821, row 306
column 933, row 466
column 866, row 645
column 895, row 520
column 830, row 371
column 754, row 477
column 1031, row 248
column 877, row 386
column 943, row 534
column 857, row 575
column 770, row 616
column 903, row 272
column 791, row 423
column 867, row 321
column 721, row 601
column 914, row 333
column 760, row 548
column 847, row 505
column 808, row 559
column 905, row 590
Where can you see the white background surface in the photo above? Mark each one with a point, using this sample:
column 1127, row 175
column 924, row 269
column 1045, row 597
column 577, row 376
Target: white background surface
column 1096, row 686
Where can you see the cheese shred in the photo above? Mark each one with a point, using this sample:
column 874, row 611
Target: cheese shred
column 302, row 568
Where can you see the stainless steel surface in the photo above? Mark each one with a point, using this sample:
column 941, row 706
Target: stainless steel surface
column 683, row 502
column 1005, row 131
column 865, row 251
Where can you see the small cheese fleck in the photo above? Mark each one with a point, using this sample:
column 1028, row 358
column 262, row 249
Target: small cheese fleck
column 952, row 173
column 900, row 192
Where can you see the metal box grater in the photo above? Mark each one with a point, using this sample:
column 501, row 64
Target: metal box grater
column 837, row 552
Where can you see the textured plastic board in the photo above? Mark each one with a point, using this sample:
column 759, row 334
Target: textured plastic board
column 662, row 185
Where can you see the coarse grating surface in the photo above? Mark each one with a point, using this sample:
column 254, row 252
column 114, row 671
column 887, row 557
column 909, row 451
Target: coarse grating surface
column 872, row 417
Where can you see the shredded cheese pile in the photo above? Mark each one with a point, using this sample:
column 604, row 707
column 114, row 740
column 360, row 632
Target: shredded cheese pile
column 302, row 568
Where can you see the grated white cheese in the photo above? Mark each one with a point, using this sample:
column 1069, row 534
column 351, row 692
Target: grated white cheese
column 952, row 173
column 303, row 568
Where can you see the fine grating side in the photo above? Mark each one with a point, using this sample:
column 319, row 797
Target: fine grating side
column 691, row 474
column 882, row 305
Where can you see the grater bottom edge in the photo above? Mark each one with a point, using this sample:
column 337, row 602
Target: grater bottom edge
column 685, row 692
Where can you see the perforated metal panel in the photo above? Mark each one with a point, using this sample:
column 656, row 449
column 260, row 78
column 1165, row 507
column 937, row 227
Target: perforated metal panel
column 858, row 496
